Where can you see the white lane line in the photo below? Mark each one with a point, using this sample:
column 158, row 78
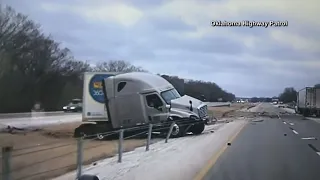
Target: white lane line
column 284, row 122
column 295, row 132
column 291, row 124
column 318, row 153
column 309, row 138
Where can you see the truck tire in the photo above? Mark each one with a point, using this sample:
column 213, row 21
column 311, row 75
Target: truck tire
column 197, row 128
column 177, row 131
column 306, row 113
column 298, row 111
column 87, row 131
column 88, row 177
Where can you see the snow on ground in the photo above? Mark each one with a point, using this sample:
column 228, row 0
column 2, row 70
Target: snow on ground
column 255, row 108
column 289, row 110
column 180, row 158
column 31, row 114
column 217, row 104
column 38, row 121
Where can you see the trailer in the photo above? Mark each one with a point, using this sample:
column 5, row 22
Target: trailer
column 308, row 101
column 317, row 101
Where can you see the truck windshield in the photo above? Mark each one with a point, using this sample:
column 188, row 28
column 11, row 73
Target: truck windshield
column 170, row 95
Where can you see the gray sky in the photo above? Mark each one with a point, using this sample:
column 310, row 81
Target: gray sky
column 175, row 37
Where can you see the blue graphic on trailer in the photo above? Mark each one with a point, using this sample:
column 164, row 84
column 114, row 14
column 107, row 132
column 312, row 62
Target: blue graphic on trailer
column 95, row 87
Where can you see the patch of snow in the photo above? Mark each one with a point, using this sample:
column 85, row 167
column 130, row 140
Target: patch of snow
column 38, row 121
column 180, row 158
column 289, row 110
column 255, row 108
column 217, row 104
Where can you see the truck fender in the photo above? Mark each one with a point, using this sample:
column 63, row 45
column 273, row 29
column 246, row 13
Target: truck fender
column 174, row 117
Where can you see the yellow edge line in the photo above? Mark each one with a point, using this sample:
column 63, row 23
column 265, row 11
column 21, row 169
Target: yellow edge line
column 203, row 172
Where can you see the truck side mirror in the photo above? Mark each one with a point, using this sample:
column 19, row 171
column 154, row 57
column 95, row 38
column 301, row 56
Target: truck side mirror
column 191, row 109
column 168, row 106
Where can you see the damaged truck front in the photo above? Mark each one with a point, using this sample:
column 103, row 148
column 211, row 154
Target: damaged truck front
column 113, row 101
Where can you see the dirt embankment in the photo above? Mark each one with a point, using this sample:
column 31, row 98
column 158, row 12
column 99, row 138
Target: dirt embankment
column 53, row 150
column 235, row 110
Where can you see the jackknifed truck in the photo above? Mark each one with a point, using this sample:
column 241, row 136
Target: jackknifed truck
column 308, row 101
column 112, row 101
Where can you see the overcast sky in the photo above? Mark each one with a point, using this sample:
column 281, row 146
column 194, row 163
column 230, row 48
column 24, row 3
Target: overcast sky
column 175, row 37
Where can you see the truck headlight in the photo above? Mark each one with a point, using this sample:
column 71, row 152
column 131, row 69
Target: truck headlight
column 64, row 107
column 72, row 107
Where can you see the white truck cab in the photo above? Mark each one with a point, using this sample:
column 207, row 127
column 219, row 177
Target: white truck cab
column 137, row 98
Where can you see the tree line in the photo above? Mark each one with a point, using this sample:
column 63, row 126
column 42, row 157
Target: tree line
column 289, row 95
column 34, row 68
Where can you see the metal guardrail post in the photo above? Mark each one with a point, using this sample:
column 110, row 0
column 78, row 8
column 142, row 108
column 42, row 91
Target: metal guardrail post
column 79, row 157
column 120, row 146
column 170, row 131
column 6, row 164
column 149, row 137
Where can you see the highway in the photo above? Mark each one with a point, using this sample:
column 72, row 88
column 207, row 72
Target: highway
column 277, row 148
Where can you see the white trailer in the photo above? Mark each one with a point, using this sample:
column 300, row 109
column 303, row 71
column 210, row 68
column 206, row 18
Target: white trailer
column 113, row 101
column 308, row 101
column 317, row 101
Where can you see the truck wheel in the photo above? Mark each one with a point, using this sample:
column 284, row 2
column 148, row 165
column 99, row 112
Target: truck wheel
column 306, row 113
column 88, row 177
column 198, row 128
column 84, row 130
column 177, row 131
column 77, row 133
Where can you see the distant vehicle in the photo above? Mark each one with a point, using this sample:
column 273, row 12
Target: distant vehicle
column 112, row 101
column 308, row 101
column 74, row 106
column 281, row 105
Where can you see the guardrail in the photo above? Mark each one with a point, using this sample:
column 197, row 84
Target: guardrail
column 12, row 169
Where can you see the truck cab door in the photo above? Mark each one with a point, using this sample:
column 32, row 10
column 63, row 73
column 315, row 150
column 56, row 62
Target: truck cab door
column 155, row 108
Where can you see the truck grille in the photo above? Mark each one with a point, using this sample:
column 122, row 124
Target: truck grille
column 203, row 111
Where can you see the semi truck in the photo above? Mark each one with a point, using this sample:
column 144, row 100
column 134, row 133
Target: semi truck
column 308, row 101
column 112, row 101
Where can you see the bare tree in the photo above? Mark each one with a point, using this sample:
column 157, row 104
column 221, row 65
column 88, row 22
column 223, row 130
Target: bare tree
column 288, row 95
column 199, row 89
column 33, row 67
column 117, row 66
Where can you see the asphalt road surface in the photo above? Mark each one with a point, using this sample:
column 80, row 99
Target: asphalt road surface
column 285, row 148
